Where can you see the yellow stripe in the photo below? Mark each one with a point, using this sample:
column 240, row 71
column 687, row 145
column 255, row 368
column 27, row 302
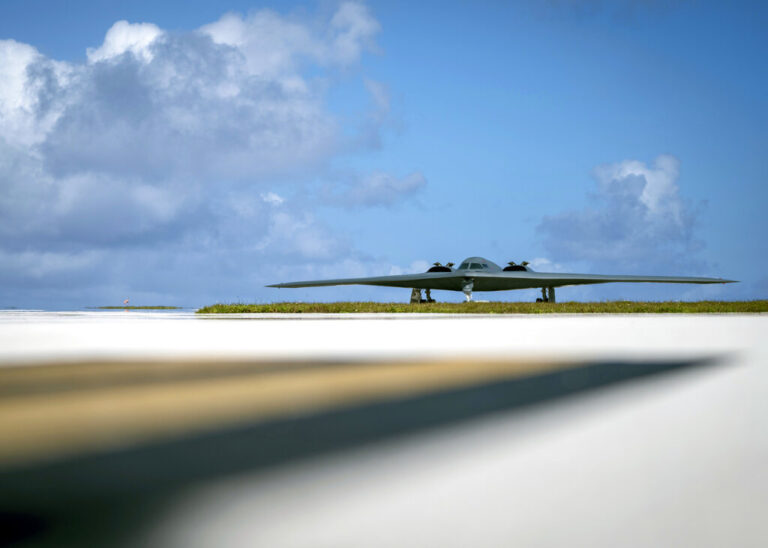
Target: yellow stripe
column 51, row 425
column 58, row 377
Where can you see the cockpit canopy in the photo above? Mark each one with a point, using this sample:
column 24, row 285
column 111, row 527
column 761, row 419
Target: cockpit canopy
column 479, row 263
column 473, row 266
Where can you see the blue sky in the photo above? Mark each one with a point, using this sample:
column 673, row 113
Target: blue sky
column 191, row 152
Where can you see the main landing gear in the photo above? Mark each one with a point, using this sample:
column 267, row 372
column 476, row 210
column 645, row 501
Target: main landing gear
column 547, row 298
column 416, row 296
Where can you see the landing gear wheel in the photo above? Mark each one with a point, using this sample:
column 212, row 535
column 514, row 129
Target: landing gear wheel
column 428, row 295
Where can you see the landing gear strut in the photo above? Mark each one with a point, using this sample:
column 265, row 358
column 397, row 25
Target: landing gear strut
column 467, row 289
column 547, row 298
column 416, row 296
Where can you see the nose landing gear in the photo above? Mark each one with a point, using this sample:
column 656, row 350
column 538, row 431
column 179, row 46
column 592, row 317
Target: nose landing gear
column 467, row 289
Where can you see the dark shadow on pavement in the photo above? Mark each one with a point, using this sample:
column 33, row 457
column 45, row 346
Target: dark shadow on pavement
column 104, row 499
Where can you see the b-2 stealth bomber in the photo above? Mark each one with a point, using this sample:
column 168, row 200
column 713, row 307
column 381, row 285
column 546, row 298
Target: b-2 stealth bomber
column 480, row 274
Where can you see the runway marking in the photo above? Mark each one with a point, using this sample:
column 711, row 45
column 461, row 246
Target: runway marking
column 53, row 411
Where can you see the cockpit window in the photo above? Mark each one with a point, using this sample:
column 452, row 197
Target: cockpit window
column 475, row 266
column 463, row 266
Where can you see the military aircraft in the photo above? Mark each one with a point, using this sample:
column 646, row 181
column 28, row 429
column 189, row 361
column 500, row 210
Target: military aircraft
column 479, row 274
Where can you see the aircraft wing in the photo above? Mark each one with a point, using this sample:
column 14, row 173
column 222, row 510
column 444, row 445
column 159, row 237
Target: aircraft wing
column 432, row 280
column 496, row 281
column 519, row 280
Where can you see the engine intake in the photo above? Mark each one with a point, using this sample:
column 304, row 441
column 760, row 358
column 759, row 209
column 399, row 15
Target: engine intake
column 514, row 267
column 440, row 268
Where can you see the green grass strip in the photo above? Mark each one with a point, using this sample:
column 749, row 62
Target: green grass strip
column 608, row 307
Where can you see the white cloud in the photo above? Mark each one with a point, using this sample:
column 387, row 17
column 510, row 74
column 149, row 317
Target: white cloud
column 14, row 60
column 659, row 194
column 272, row 198
column 125, row 37
column 274, row 45
column 270, row 45
column 354, row 29
column 151, row 159
column 637, row 219
column 192, row 111
column 28, row 84
column 300, row 236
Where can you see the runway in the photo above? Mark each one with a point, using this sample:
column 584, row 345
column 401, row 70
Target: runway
column 38, row 337
column 174, row 430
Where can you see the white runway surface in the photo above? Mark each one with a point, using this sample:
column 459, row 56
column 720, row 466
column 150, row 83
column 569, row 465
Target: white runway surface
column 675, row 460
column 36, row 336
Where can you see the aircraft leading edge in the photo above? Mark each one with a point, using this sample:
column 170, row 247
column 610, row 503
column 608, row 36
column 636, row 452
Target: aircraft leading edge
column 480, row 274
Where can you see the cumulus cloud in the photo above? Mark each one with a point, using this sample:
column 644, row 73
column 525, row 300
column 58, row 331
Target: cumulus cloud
column 28, row 82
column 636, row 219
column 126, row 37
column 352, row 28
column 273, row 45
column 175, row 144
column 193, row 111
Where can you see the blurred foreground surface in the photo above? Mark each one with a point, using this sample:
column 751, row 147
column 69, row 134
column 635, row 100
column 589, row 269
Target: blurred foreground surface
column 124, row 428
